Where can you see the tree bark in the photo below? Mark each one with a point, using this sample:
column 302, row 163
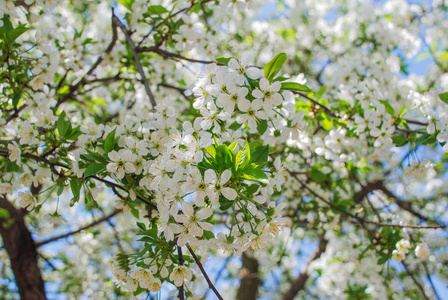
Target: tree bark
column 300, row 281
column 22, row 252
column 249, row 279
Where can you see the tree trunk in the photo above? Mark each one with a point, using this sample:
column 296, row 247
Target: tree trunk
column 22, row 252
column 249, row 279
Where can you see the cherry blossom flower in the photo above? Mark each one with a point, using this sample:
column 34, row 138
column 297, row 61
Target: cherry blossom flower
column 217, row 186
column 122, row 162
column 253, row 111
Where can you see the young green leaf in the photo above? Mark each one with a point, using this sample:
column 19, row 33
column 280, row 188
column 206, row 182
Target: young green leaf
column 94, row 169
column 273, row 67
column 259, row 155
column 444, row 97
column 243, row 157
column 64, row 126
column 294, row 86
column 109, row 142
column 255, row 174
column 75, row 186
column 262, row 126
column 223, row 60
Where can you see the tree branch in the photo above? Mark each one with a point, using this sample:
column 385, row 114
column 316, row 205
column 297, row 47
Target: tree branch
column 99, row 221
column 300, row 281
column 181, row 262
column 131, row 44
column 210, row 284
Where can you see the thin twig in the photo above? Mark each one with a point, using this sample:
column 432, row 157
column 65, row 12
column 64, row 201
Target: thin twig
column 105, row 218
column 198, row 262
column 131, row 44
column 326, row 109
column 359, row 219
column 417, row 283
column 425, row 267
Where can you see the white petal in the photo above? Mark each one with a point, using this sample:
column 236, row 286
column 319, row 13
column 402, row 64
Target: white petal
column 264, row 84
column 204, row 213
column 233, row 64
column 275, row 87
column 226, row 175
column 257, row 104
column 244, row 105
column 229, row 193
column 253, row 73
column 210, row 176
column 206, row 226
column 257, row 93
column 187, row 209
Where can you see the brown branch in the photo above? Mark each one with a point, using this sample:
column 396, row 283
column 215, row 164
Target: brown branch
column 210, row 284
column 181, row 295
column 300, row 281
column 173, row 56
column 99, row 221
column 428, row 276
column 74, row 87
column 357, row 218
column 326, row 109
column 417, row 283
column 134, row 50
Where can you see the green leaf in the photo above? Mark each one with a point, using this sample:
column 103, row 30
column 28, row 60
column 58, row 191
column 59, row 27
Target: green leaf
column 402, row 111
column 426, row 139
column 444, row 97
column 127, row 3
column 259, row 155
column 233, row 145
column 223, row 60
column 243, row 157
column 294, row 86
column 235, row 125
column 196, row 8
column 157, row 10
column 16, row 99
column 223, row 157
column 4, row 213
column 389, row 107
column 211, row 150
column 225, row 204
column 94, row 169
column 280, row 78
column 273, row 67
column 64, row 90
column 208, row 235
column 60, row 190
column 15, row 33
column 317, row 175
column 262, row 126
column 320, row 93
column 64, row 126
column 74, row 134
column 76, row 188
column 326, row 122
column 109, row 142
column 399, row 140
column 141, row 226
column 251, row 189
column 255, row 174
